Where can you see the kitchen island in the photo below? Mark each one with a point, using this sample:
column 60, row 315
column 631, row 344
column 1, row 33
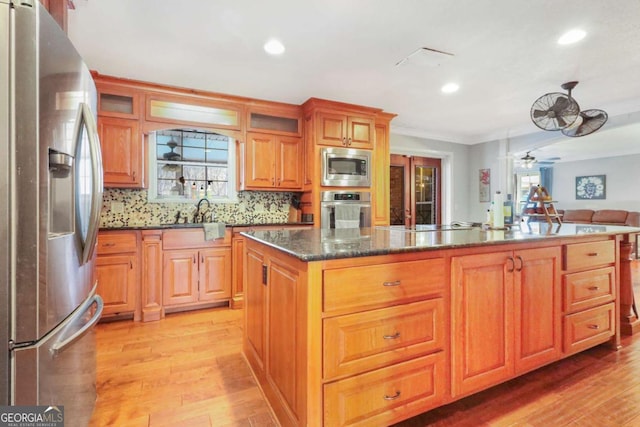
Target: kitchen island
column 373, row 326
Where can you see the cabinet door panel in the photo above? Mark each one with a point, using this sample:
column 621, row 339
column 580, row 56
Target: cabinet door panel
column 260, row 160
column 538, row 327
column 332, row 129
column 215, row 274
column 282, row 360
column 117, row 278
column 360, row 133
column 482, row 342
column 255, row 301
column 289, row 163
column 180, row 277
column 121, row 145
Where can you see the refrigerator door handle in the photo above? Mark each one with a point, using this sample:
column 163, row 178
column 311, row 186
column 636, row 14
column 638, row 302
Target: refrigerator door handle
column 59, row 346
column 96, row 181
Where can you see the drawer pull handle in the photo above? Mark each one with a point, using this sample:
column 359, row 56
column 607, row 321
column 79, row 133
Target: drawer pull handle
column 512, row 268
column 108, row 244
column 594, row 288
column 396, row 283
column 392, row 337
column 592, row 254
column 593, row 326
column 394, row 397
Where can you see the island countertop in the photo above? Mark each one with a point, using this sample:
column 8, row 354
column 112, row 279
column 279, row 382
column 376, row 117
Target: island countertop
column 325, row 244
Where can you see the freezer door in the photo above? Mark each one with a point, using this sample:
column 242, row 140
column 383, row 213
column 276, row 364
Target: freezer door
column 61, row 369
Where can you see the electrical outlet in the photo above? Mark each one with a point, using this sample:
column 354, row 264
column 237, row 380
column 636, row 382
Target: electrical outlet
column 117, row 207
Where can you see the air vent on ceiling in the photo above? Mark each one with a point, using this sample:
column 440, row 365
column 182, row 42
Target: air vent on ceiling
column 427, row 57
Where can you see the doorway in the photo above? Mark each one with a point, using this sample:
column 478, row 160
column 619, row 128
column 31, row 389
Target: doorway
column 415, row 185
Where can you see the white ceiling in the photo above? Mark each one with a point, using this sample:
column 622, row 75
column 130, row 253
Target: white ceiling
column 505, row 56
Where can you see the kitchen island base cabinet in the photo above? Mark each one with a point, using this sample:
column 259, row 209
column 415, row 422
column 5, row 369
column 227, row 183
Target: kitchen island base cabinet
column 275, row 332
column 507, row 315
column 377, row 339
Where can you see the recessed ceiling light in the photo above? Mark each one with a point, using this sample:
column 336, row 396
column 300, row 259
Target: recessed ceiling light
column 450, row 88
column 274, row 47
column 572, row 36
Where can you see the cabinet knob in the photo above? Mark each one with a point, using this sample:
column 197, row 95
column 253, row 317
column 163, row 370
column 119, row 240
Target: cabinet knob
column 394, row 397
column 344, row 141
column 349, row 141
column 133, row 176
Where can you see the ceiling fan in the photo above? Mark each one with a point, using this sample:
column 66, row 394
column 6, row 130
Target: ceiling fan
column 559, row 111
column 528, row 161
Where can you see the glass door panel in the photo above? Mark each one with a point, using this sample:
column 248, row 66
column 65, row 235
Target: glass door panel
column 414, row 190
column 424, row 194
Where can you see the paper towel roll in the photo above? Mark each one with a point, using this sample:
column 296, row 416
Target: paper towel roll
column 498, row 210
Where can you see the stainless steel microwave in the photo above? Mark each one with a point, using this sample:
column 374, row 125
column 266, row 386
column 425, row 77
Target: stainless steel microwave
column 346, row 167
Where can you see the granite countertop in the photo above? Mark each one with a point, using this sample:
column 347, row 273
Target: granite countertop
column 324, row 244
column 197, row 225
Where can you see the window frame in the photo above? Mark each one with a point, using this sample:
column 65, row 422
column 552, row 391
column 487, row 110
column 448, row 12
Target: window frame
column 152, row 191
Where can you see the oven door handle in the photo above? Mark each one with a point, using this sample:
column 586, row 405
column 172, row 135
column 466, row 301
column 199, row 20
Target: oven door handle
column 333, row 205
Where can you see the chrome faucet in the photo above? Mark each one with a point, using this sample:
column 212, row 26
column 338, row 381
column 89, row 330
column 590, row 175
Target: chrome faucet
column 195, row 215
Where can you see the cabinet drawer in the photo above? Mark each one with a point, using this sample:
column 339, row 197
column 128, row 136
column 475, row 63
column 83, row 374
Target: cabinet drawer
column 192, row 239
column 588, row 328
column 588, row 255
column 588, row 289
column 358, row 342
column 387, row 395
column 351, row 289
column 117, row 242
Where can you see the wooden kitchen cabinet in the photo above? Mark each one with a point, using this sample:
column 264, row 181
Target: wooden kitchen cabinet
column 273, row 332
column 589, row 285
column 117, row 270
column 508, row 319
column 344, row 130
column 214, row 274
column 381, row 164
column 194, row 270
column 122, row 152
column 272, row 162
column 255, row 303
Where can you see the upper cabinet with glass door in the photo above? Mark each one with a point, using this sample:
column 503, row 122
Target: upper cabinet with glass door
column 120, row 136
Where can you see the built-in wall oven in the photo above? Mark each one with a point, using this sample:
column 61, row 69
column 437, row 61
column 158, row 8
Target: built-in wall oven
column 345, row 167
column 345, row 209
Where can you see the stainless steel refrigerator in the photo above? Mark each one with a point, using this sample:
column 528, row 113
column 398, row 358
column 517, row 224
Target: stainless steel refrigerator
column 50, row 200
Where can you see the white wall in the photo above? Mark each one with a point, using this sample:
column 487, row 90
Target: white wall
column 622, row 183
column 455, row 176
column 491, row 155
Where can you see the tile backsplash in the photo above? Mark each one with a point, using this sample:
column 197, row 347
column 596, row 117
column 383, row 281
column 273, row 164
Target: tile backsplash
column 130, row 208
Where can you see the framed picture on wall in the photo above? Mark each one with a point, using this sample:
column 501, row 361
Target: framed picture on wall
column 591, row 187
column 485, row 185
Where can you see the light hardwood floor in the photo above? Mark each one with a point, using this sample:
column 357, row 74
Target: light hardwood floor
column 187, row 370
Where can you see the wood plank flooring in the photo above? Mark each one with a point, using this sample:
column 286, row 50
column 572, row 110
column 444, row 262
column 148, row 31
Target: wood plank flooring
column 187, row 370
